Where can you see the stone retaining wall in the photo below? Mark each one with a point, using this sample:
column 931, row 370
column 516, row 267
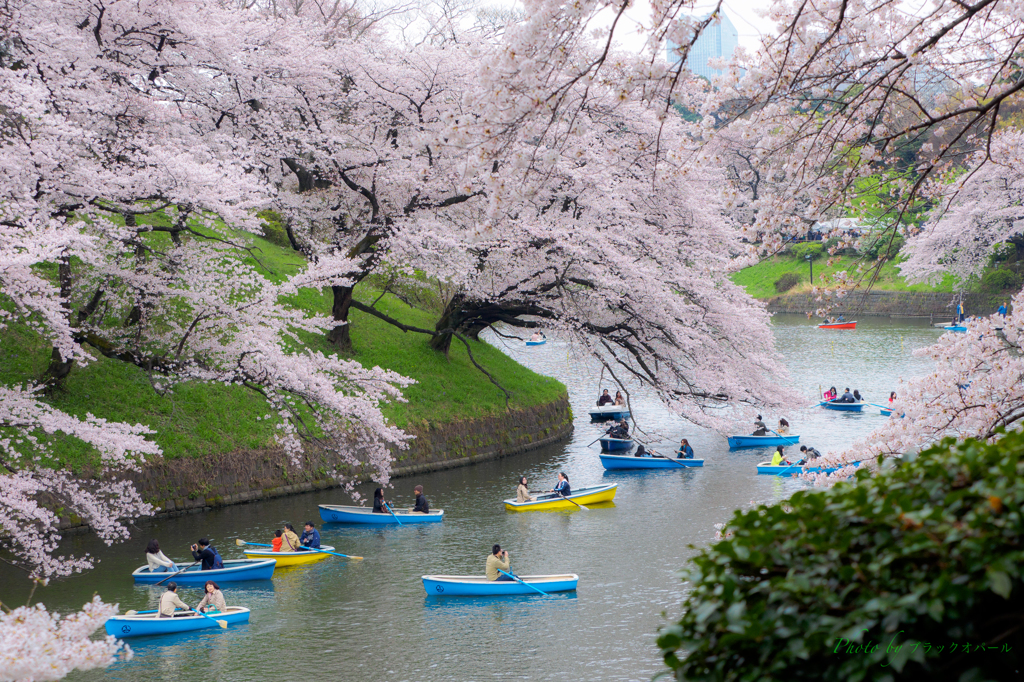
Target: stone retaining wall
column 888, row 304
column 183, row 486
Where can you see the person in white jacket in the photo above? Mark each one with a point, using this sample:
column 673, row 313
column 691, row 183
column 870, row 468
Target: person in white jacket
column 158, row 563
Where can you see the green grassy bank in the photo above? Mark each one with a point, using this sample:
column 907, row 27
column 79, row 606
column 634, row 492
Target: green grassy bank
column 197, row 420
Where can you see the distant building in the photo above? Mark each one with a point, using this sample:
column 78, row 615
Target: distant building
column 717, row 41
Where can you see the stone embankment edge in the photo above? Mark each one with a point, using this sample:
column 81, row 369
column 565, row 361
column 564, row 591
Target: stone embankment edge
column 269, row 473
column 938, row 306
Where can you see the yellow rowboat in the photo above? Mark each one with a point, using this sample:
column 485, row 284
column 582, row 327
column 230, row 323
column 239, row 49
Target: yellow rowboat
column 285, row 559
column 591, row 495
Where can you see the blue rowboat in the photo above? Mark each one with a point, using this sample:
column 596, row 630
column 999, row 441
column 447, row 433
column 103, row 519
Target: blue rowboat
column 604, row 412
column 955, row 328
column 761, row 441
column 886, row 413
column 235, row 570
column 536, row 343
column 842, row 407
column 612, row 444
column 479, row 586
column 795, row 469
column 336, row 513
column 150, row 623
column 630, row 462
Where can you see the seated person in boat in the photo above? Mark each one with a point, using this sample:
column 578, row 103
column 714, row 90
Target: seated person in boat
column 290, row 539
column 830, row 394
column 275, row 544
column 213, row 599
column 537, row 336
column 205, row 552
column 760, row 428
column 783, row 427
column 421, row 505
column 685, row 451
column 620, row 430
column 498, row 561
column 856, row 396
column 169, row 601
column 847, row 397
column 605, row 399
column 619, row 400
column 562, row 487
column 523, row 491
column 810, row 454
column 778, row 459
column 379, row 504
column 310, row 536
column 892, row 398
column 641, row 451
column 158, row 563
column 841, row 318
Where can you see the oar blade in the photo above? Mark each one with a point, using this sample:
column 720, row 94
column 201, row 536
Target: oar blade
column 223, row 624
column 239, row 542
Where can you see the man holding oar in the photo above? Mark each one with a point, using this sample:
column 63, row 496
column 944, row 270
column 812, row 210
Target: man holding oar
column 169, row 601
column 497, row 563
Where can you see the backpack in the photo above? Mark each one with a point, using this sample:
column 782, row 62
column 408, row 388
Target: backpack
column 217, row 561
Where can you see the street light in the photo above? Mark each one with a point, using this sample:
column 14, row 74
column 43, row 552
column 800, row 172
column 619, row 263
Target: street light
column 810, row 262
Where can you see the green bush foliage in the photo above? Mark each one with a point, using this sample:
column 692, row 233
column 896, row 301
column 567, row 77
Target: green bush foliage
column 787, row 282
column 804, row 249
column 1000, row 280
column 878, row 245
column 273, row 228
column 887, row 577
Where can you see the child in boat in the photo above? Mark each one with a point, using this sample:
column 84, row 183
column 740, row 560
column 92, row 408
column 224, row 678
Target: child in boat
column 213, row 599
column 158, row 563
column 276, row 542
column 498, row 561
column 685, row 451
column 523, row 491
column 169, row 601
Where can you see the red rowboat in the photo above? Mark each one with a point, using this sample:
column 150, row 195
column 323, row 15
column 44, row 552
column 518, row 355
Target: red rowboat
column 838, row 325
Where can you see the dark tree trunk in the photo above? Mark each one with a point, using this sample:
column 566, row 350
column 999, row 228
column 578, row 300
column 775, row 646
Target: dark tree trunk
column 59, row 367
column 339, row 311
column 450, row 320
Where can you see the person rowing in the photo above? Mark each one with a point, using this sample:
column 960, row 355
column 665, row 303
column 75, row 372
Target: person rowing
column 810, row 454
column 685, row 451
column 619, row 430
column 497, row 561
column 379, row 503
column 562, row 488
column 760, row 428
column 170, row 600
column 310, row 536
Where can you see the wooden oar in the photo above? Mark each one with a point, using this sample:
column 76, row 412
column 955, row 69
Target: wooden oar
column 243, row 543
column 523, row 582
column 388, row 507
column 178, row 573
column 222, row 623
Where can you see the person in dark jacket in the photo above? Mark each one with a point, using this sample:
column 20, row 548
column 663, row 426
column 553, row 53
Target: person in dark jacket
column 205, row 552
column 809, row 454
column 760, row 428
column 856, row 396
column 379, row 504
column 605, row 399
column 562, row 487
column 310, row 536
column 847, row 397
column 685, row 451
column 422, row 505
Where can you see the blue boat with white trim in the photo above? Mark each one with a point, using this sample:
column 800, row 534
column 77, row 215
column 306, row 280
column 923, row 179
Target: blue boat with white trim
column 480, row 586
column 336, row 513
column 842, row 407
column 795, row 469
column 631, row 462
column 740, row 441
column 150, row 623
column 613, row 444
column 606, row 412
column 235, row 570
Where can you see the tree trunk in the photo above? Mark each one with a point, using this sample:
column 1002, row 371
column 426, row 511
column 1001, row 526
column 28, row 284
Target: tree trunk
column 59, row 367
column 450, row 321
column 339, row 311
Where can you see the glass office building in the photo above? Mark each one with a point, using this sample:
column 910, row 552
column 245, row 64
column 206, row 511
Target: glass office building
column 717, row 41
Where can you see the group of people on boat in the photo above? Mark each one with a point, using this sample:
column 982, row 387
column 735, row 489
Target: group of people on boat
column 382, row 506
column 847, row 397
column 286, row 540
column 562, row 489
column 212, row 601
column 606, row 399
column 538, row 337
column 807, row 455
column 685, row 451
column 761, row 429
column 619, row 430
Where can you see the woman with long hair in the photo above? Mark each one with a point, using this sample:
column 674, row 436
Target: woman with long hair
column 523, row 491
column 379, row 503
column 158, row 563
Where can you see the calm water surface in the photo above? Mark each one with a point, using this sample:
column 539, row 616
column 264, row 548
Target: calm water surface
column 371, row 620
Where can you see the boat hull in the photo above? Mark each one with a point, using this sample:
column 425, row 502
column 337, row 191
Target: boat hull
column 591, row 495
column 535, row 343
column 478, row 586
column 839, row 325
column 842, row 407
column 235, row 570
column 615, row 444
column 794, row 469
column 955, row 328
column 629, row 462
column 286, row 559
column 761, row 441
column 148, row 623
column 615, row 412
column 336, row 513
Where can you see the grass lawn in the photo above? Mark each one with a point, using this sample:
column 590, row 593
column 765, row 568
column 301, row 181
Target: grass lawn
column 759, row 280
column 202, row 419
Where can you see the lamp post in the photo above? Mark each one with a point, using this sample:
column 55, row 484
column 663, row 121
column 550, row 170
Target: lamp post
column 810, row 263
